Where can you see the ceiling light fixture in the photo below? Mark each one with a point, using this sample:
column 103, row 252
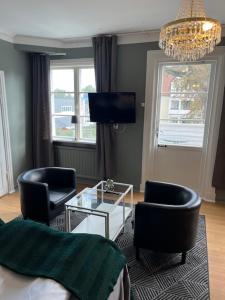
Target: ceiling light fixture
column 192, row 35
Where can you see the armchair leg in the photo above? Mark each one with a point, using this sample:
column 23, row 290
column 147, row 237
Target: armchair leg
column 183, row 260
column 137, row 253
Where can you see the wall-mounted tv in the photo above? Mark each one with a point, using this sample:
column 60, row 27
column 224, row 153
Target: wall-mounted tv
column 114, row 107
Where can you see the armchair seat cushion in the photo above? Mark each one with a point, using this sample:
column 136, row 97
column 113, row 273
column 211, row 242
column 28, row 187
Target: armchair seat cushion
column 59, row 196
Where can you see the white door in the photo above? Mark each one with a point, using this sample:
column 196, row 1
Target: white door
column 181, row 101
column 3, row 178
column 6, row 171
column 183, row 97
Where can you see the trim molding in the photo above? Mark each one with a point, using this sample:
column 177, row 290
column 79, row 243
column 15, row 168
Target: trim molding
column 76, row 43
column 6, row 134
column 37, row 41
column 123, row 38
column 212, row 130
column 74, row 62
column 69, row 43
column 6, row 37
column 138, row 37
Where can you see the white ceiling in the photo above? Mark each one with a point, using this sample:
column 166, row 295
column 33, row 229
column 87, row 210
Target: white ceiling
column 62, row 19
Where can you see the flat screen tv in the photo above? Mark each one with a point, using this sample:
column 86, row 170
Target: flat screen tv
column 112, row 107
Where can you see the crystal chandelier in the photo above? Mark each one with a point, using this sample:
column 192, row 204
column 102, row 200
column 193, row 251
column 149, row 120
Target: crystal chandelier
column 192, row 35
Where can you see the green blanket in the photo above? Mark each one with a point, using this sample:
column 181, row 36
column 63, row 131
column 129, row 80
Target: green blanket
column 87, row 265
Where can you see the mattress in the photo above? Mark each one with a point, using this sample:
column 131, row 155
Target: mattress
column 14, row 286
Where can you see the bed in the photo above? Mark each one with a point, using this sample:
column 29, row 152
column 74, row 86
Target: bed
column 14, row 286
column 19, row 272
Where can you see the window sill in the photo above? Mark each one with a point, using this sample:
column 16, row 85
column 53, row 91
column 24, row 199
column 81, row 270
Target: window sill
column 75, row 144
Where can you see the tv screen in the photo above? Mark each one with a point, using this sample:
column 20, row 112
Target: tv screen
column 112, row 107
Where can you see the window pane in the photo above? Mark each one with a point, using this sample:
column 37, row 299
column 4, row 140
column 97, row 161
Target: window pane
column 62, row 80
column 185, row 78
column 186, row 105
column 189, row 106
column 84, row 104
column 183, row 106
column 62, row 127
column 174, row 105
column 87, row 129
column 87, row 80
column 63, row 103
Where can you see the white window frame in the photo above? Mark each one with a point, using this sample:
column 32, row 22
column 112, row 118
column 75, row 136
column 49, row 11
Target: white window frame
column 76, row 65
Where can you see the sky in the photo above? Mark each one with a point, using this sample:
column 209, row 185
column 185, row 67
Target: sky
column 63, row 79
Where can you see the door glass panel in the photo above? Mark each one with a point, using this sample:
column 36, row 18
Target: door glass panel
column 183, row 99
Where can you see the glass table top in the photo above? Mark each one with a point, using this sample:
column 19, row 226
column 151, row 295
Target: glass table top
column 98, row 198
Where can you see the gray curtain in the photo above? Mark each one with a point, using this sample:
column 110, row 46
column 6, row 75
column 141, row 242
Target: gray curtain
column 105, row 60
column 42, row 144
column 219, row 168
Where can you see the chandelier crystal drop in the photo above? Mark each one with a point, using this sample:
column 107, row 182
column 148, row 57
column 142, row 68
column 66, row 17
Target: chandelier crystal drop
column 192, row 35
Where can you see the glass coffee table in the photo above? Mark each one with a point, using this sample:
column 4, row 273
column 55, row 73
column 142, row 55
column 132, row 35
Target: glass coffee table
column 105, row 212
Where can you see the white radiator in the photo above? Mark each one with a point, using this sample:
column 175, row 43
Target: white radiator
column 81, row 159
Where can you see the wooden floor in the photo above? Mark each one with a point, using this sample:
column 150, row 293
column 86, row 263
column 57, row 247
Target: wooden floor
column 215, row 228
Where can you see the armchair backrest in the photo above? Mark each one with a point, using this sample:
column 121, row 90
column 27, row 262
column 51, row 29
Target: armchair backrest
column 169, row 194
column 36, row 175
column 52, row 176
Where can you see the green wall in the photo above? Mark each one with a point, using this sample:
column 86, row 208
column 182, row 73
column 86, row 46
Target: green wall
column 131, row 76
column 132, row 59
column 15, row 64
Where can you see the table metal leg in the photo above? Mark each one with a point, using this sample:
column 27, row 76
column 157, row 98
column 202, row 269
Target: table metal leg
column 132, row 201
column 69, row 220
column 102, row 193
column 124, row 207
column 66, row 220
column 107, row 226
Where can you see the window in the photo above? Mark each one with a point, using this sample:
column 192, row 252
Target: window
column 183, row 94
column 174, row 104
column 179, row 105
column 186, row 105
column 70, row 85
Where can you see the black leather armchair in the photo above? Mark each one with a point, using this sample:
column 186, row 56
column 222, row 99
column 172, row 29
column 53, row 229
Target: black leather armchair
column 167, row 220
column 44, row 191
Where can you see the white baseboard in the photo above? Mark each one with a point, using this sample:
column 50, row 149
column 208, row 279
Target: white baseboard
column 209, row 200
column 142, row 188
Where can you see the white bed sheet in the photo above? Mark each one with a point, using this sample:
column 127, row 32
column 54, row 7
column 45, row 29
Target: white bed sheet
column 14, row 286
